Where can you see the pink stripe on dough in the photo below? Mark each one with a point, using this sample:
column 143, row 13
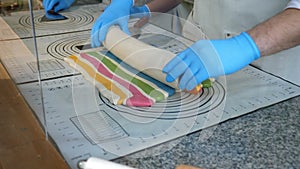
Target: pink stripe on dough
column 137, row 100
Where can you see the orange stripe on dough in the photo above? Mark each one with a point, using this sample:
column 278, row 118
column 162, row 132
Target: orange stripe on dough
column 101, row 79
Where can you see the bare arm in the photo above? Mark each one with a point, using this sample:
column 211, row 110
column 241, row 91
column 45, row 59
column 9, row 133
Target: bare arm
column 159, row 6
column 278, row 33
column 162, row 5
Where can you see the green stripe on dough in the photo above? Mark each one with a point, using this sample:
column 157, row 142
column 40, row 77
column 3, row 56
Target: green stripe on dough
column 152, row 92
column 101, row 79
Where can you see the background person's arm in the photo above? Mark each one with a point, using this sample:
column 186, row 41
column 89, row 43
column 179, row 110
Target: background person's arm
column 280, row 32
column 154, row 6
column 162, row 5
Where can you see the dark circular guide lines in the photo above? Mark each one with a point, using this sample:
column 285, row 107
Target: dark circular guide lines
column 180, row 105
column 75, row 20
column 67, row 46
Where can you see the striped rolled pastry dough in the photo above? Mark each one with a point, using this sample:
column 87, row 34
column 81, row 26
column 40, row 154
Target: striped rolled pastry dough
column 143, row 57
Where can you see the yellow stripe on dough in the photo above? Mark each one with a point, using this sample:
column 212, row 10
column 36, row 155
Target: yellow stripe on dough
column 101, row 79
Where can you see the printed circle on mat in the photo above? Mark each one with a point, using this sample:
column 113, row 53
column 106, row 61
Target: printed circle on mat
column 67, row 46
column 75, row 20
column 180, row 105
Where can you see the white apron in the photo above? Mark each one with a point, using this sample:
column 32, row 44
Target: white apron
column 219, row 19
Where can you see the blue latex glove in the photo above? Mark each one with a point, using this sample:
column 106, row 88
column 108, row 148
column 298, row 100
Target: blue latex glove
column 140, row 11
column 117, row 13
column 56, row 5
column 211, row 58
column 55, row 16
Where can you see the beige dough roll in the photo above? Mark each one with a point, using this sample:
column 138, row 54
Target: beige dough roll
column 143, row 57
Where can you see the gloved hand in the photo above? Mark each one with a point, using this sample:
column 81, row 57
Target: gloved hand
column 54, row 16
column 140, row 11
column 117, row 13
column 211, row 58
column 57, row 5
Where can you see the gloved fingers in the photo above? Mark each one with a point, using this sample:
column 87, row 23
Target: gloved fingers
column 54, row 16
column 102, row 32
column 94, row 40
column 117, row 13
column 171, row 64
column 61, row 6
column 124, row 26
column 45, row 4
column 190, row 84
column 199, row 77
column 95, row 34
column 176, row 72
column 177, row 69
column 175, row 61
column 188, row 75
column 100, row 29
column 51, row 5
column 95, row 26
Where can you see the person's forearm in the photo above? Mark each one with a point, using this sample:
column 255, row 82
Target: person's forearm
column 162, row 5
column 278, row 33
